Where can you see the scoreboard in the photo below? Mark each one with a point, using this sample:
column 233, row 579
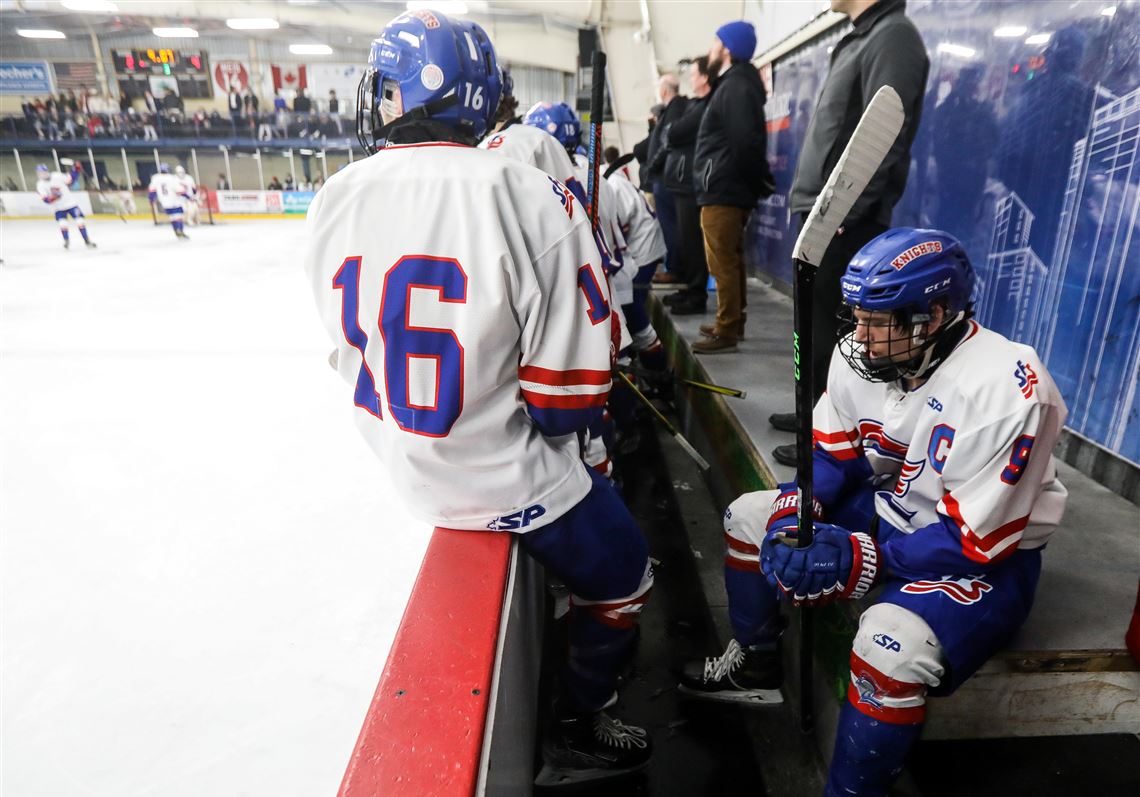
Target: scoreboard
column 188, row 69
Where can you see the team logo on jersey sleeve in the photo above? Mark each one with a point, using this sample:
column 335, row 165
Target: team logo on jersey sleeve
column 880, row 442
column 1026, row 379
column 909, row 472
column 496, row 142
column 869, row 693
column 964, row 590
column 565, row 196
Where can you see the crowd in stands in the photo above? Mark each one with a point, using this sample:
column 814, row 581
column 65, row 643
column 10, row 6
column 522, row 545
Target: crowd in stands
column 88, row 114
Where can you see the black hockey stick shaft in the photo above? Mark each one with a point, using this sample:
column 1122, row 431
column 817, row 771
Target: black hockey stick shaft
column 597, row 112
column 802, row 345
column 685, row 445
column 709, row 387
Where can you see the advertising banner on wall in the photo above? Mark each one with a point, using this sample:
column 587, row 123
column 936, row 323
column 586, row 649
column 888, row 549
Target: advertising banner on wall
column 296, row 201
column 25, row 77
column 29, row 203
column 242, row 201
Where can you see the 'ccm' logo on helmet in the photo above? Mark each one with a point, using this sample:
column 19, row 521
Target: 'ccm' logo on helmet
column 918, row 250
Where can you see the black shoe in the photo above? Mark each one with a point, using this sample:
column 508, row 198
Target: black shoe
column 694, row 305
column 785, row 455
column 592, row 747
column 677, row 296
column 739, row 675
column 784, row 421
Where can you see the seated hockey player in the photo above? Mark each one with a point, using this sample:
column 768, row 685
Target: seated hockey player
column 469, row 307
column 935, row 486
column 54, row 189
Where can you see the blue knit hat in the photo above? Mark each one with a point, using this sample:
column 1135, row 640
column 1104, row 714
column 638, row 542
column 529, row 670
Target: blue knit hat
column 739, row 38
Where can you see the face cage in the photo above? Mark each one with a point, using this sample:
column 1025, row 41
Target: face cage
column 883, row 369
column 368, row 119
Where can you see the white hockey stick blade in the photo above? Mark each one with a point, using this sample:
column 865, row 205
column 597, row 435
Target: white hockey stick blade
column 873, row 137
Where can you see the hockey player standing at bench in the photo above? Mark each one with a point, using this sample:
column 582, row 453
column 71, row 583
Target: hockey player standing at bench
column 470, row 311
column 934, row 479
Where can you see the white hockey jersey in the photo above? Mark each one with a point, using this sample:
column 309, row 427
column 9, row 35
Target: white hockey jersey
column 469, row 307
column 621, row 277
column 644, row 239
column 168, row 190
column 189, row 187
column 57, row 189
column 964, row 463
column 535, row 147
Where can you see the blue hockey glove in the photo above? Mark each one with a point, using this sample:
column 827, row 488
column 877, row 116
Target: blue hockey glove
column 787, row 505
column 837, row 565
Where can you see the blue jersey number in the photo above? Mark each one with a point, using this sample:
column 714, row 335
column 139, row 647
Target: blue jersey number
column 599, row 308
column 409, row 351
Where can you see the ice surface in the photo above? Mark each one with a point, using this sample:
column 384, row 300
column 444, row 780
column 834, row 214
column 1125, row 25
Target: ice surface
column 202, row 566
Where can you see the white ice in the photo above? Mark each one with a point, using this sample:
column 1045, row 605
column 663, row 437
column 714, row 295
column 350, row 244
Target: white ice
column 202, row 566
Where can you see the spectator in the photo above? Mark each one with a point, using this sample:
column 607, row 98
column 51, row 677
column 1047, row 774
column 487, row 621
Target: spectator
column 81, row 100
column 233, row 100
column 301, row 103
column 668, row 90
column 274, row 184
column 250, row 103
column 223, row 183
column 279, row 101
column 883, row 48
column 150, row 102
column 680, row 146
column 731, row 171
column 125, row 103
column 334, row 110
column 281, row 112
column 289, row 182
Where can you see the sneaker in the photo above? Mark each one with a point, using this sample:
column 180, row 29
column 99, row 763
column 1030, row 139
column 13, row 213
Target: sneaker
column 590, row 748
column 785, row 455
column 784, row 421
column 715, row 344
column 739, row 675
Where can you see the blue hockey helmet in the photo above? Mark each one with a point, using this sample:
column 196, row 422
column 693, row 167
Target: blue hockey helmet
column 42, row 169
column 905, row 272
column 163, row 168
column 425, row 65
column 558, row 119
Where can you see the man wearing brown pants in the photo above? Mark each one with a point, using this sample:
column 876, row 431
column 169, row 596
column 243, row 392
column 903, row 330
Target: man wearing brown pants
column 730, row 172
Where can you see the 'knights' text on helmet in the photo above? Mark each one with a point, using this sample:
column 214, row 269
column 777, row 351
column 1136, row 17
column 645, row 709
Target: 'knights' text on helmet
column 428, row 66
column 902, row 275
column 558, row 119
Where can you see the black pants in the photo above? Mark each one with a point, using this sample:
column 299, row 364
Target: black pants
column 827, row 296
column 694, row 270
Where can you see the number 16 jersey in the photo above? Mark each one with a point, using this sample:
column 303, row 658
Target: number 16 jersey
column 471, row 316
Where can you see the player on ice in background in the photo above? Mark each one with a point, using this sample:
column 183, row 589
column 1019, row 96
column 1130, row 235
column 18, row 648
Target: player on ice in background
column 166, row 189
column 469, row 307
column 191, row 193
column 54, row 189
column 935, row 485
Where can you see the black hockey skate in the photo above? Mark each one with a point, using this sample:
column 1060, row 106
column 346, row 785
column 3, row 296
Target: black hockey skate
column 66, row 243
column 89, row 244
column 182, row 236
column 739, row 675
column 592, row 747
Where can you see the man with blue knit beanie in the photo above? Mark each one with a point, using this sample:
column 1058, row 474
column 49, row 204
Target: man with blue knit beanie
column 730, row 172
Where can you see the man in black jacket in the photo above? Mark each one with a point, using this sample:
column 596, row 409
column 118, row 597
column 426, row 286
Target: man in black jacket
column 674, row 108
column 681, row 144
column 883, row 48
column 731, row 173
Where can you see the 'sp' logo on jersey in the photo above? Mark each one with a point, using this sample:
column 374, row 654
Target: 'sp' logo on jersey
column 1026, row 379
column 565, row 196
column 964, row 590
column 517, row 520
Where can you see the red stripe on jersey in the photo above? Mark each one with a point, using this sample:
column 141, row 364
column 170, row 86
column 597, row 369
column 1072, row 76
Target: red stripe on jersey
column 742, row 547
column 565, row 402
column 575, row 376
column 847, row 436
column 977, row 548
column 747, row 565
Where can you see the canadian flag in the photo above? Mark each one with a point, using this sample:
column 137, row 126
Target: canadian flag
column 289, row 77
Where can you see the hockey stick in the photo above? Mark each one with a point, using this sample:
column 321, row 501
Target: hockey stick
column 873, row 137
column 645, row 373
column 702, row 463
column 597, row 111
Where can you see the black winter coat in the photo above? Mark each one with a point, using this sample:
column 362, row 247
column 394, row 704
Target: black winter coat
column 731, row 162
column 681, row 142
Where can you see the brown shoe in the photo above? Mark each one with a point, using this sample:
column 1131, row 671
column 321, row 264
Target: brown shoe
column 710, row 330
column 714, row 344
column 664, row 278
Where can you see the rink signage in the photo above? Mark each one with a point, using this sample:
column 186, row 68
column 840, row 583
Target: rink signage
column 231, row 73
column 296, row 201
column 242, row 202
column 25, row 77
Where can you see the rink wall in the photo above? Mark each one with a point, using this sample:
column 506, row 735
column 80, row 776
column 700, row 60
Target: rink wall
column 455, row 710
column 28, row 204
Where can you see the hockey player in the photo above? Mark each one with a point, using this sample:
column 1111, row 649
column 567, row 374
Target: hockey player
column 935, row 484
column 167, row 190
column 54, row 189
column 468, row 304
column 190, row 189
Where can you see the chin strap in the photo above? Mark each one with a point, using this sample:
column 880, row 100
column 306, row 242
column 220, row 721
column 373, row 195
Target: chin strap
column 933, row 354
column 414, row 119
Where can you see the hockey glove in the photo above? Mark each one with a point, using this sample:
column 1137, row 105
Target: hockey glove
column 837, row 565
column 787, row 506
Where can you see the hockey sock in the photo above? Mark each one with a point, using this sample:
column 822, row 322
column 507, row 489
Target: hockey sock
column 636, row 319
column 752, row 606
column 66, row 235
column 869, row 754
column 596, row 657
column 177, row 226
column 83, row 232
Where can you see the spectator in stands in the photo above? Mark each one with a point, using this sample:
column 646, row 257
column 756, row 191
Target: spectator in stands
column 150, row 103
column 125, row 103
column 274, row 184
column 223, row 183
column 731, row 171
column 334, row 111
column 883, row 48
column 172, row 103
column 668, row 90
column 233, row 101
column 81, row 100
column 680, row 148
column 69, row 101
column 281, row 112
column 250, row 103
column 289, row 185
column 28, row 109
column 301, row 103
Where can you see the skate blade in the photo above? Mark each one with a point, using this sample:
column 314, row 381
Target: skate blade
column 554, row 777
column 757, row 697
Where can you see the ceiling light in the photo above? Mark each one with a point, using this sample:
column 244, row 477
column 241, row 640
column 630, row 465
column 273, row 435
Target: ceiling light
column 259, row 23
column 33, row 33
column 1010, row 31
column 175, row 33
column 442, row 6
column 957, row 49
column 1108, row 12
column 90, row 5
column 310, row 49
column 1039, row 38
